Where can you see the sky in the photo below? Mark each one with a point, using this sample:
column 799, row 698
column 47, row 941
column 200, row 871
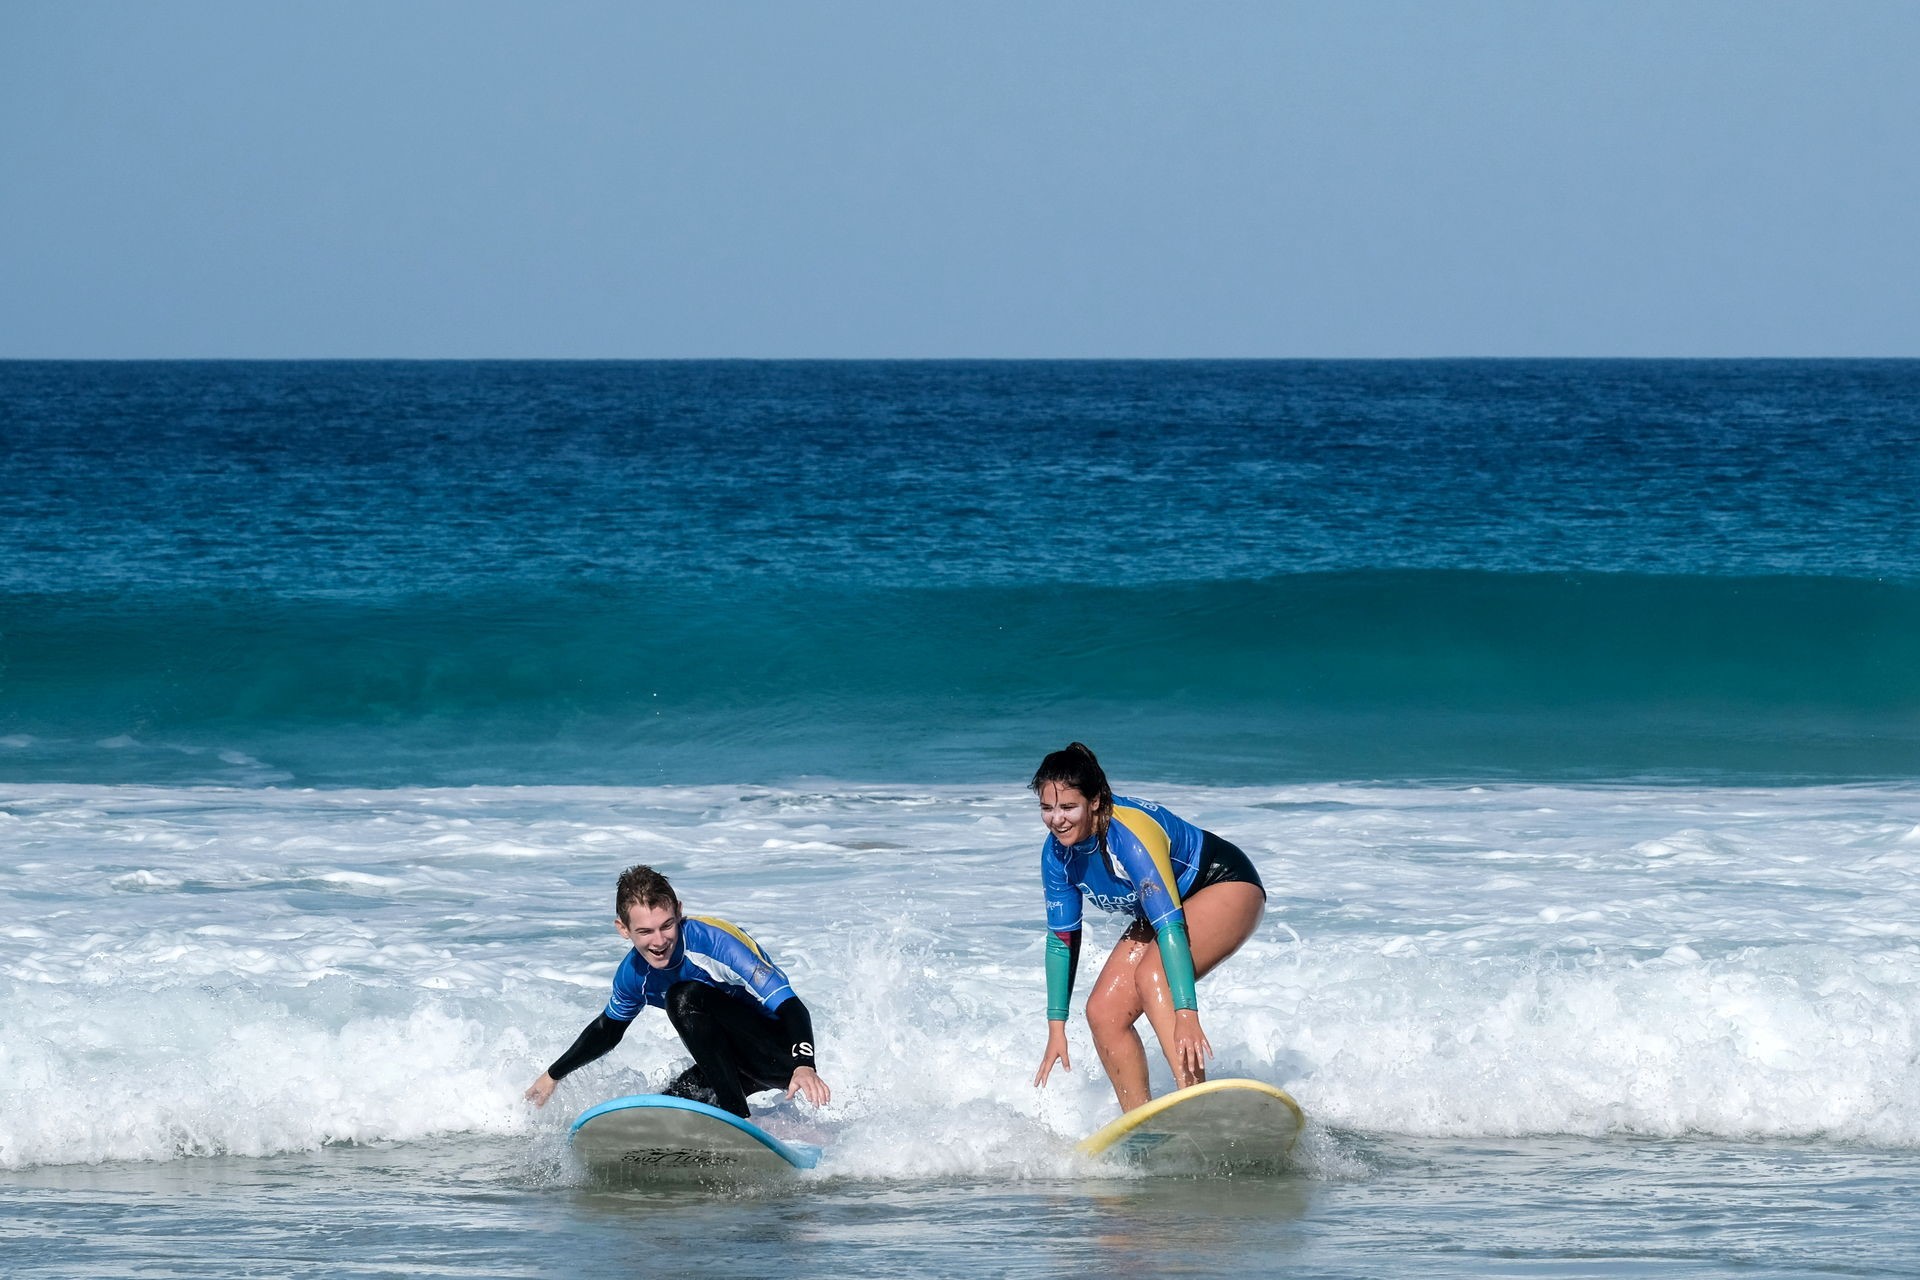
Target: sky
column 893, row 179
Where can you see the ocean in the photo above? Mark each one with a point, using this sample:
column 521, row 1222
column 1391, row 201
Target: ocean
column 1570, row 709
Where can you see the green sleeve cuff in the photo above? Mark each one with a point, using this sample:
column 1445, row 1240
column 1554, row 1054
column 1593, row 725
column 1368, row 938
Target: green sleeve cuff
column 1060, row 966
column 1176, row 957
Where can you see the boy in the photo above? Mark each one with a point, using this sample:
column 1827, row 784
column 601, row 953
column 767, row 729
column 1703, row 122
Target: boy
column 731, row 1004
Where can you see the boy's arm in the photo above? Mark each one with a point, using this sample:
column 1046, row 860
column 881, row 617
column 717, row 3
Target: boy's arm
column 796, row 1024
column 796, row 1027
column 599, row 1038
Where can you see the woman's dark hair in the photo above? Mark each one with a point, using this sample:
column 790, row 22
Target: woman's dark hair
column 642, row 886
column 1075, row 765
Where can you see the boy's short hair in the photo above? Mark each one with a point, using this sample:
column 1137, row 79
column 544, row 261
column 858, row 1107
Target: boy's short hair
column 642, row 886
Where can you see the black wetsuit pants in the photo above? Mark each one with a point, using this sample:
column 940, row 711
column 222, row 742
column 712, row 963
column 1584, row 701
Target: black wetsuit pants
column 736, row 1049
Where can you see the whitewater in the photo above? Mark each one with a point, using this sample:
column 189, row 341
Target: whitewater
column 196, row 972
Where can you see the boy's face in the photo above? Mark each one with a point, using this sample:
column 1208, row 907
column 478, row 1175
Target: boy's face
column 653, row 931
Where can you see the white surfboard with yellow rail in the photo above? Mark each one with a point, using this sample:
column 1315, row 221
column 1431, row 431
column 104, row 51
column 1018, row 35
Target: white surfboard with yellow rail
column 1221, row 1126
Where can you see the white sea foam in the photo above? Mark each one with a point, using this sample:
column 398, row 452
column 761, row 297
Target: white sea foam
column 199, row 971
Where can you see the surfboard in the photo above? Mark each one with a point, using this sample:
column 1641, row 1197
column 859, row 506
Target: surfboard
column 652, row 1136
column 1221, row 1126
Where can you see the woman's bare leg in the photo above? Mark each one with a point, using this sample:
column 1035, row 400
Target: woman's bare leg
column 1113, row 1006
column 1219, row 919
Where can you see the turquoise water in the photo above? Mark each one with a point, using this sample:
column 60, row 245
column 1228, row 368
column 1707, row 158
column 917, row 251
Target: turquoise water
column 1570, row 710
column 337, row 574
column 1480, row 675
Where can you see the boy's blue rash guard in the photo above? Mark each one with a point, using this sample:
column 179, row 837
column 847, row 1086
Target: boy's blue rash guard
column 710, row 951
column 1152, row 859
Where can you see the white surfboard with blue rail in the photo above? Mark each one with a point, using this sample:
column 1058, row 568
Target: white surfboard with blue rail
column 1221, row 1126
column 652, row 1136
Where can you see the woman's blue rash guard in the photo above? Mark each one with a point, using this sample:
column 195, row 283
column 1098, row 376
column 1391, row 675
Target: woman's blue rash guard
column 1153, row 858
column 710, row 951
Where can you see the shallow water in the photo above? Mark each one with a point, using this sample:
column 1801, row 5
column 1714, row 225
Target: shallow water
column 1367, row 1206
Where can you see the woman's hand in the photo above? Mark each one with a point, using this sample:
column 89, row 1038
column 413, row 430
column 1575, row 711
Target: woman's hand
column 1191, row 1049
column 1056, row 1052
column 807, row 1083
column 540, row 1090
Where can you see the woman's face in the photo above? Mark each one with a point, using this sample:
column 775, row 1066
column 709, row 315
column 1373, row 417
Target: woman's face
column 1067, row 813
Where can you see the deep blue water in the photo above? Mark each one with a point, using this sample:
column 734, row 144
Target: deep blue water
column 399, row 574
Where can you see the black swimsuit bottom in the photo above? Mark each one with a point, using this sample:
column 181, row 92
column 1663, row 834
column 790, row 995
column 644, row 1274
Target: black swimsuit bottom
column 1221, row 862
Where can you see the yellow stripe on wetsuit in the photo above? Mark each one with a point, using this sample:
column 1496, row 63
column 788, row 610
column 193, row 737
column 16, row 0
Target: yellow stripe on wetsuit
column 1153, row 838
column 745, row 941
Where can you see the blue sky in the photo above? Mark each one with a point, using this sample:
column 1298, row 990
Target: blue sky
column 899, row 179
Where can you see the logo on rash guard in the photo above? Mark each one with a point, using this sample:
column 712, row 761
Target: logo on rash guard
column 802, row 1050
column 1107, row 902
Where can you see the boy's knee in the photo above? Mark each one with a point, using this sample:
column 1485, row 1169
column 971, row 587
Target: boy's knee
column 686, row 1000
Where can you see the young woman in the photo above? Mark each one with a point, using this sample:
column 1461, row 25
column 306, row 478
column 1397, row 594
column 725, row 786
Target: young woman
column 1194, row 899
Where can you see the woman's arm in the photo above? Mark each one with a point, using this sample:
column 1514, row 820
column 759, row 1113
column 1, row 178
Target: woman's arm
column 1176, row 958
column 1063, row 961
column 1143, row 848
